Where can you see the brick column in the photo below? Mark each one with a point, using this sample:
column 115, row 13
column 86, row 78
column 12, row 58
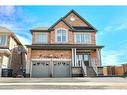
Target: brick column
column 28, row 63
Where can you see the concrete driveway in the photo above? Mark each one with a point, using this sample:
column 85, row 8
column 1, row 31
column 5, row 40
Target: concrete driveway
column 64, row 83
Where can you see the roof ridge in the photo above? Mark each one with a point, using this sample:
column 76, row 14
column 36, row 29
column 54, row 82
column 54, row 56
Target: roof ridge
column 61, row 19
column 67, row 23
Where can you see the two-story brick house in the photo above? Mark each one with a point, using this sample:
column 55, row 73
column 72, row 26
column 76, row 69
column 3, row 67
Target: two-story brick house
column 65, row 49
column 12, row 53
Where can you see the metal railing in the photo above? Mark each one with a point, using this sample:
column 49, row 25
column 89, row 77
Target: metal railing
column 84, row 69
column 93, row 64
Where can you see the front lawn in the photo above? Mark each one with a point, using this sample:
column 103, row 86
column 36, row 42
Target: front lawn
column 125, row 76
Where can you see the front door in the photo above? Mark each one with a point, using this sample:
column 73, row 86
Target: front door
column 83, row 58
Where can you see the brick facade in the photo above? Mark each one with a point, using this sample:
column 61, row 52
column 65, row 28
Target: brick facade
column 51, row 53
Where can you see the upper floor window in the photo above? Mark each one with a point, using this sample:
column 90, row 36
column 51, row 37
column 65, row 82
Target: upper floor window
column 3, row 40
column 83, row 38
column 61, row 36
column 41, row 38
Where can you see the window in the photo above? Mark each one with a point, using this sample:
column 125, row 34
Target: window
column 61, row 36
column 3, row 40
column 5, row 63
column 82, row 38
column 41, row 38
column 85, row 57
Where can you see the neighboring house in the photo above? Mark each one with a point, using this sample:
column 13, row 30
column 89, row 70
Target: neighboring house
column 65, row 49
column 18, row 61
column 8, row 44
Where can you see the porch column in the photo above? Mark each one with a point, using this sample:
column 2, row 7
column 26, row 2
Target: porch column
column 98, row 57
column 0, row 66
column 72, row 57
column 75, row 57
column 90, row 59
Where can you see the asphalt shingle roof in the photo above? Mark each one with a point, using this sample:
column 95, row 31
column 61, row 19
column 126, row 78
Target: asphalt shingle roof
column 82, row 28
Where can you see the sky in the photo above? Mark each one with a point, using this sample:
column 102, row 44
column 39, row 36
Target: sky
column 110, row 21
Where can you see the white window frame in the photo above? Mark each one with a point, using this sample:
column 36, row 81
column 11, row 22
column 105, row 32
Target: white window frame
column 61, row 38
column 86, row 40
column 44, row 33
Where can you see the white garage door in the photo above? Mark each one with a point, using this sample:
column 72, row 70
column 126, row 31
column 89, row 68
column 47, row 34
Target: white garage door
column 40, row 69
column 61, row 69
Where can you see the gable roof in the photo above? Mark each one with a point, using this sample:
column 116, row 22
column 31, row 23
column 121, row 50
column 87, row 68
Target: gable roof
column 82, row 28
column 7, row 31
column 4, row 30
column 73, row 11
column 72, row 28
column 61, row 19
column 40, row 28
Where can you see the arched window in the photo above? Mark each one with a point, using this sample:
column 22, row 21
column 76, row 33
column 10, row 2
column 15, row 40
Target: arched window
column 61, row 35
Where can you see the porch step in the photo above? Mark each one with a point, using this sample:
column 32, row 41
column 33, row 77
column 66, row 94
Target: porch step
column 90, row 72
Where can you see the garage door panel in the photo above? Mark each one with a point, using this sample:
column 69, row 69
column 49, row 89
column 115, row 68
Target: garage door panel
column 40, row 69
column 46, row 69
column 61, row 69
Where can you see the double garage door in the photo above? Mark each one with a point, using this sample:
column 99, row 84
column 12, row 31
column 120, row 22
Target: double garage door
column 50, row 69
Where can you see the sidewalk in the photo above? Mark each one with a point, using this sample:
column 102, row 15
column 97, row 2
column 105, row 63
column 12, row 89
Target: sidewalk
column 63, row 83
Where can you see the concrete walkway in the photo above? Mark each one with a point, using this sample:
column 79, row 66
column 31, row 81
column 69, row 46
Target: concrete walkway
column 64, row 83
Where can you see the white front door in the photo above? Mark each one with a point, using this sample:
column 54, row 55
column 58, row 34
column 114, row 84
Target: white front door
column 82, row 58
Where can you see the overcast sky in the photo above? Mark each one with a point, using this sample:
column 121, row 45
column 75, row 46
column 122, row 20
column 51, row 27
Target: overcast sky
column 110, row 21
